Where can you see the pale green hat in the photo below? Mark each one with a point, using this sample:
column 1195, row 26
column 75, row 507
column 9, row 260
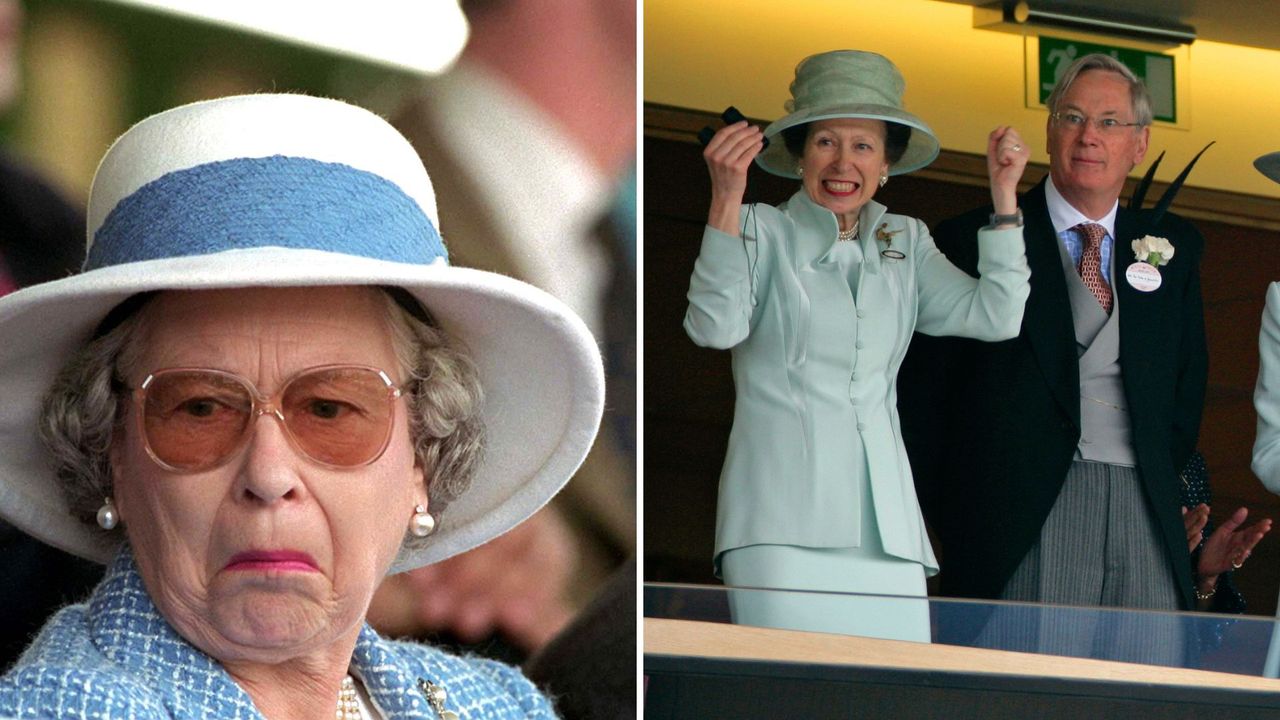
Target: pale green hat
column 848, row 84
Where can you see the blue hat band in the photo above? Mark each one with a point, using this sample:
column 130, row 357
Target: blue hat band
column 273, row 201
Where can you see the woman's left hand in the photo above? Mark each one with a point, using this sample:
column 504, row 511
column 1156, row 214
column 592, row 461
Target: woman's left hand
column 1195, row 520
column 1230, row 545
column 1006, row 159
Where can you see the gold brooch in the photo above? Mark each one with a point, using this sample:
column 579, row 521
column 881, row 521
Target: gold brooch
column 436, row 695
column 885, row 235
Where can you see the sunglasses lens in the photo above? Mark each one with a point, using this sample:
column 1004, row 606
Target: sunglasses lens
column 339, row 416
column 194, row 419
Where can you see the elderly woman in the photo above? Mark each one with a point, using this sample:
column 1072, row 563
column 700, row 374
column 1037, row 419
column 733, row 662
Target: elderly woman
column 817, row 299
column 273, row 392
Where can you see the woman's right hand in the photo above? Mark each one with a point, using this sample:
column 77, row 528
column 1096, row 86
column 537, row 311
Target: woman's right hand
column 1006, row 159
column 728, row 157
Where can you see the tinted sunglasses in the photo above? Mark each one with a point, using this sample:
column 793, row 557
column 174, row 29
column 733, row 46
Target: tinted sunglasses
column 195, row 419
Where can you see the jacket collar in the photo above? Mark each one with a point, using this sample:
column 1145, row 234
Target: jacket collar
column 817, row 228
column 396, row 692
column 1047, row 321
column 127, row 627
column 130, row 631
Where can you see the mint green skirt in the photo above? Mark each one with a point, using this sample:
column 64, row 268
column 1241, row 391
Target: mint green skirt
column 863, row 591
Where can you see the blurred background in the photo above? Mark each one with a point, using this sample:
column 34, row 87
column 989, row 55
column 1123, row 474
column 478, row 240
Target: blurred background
column 545, row 92
column 85, row 70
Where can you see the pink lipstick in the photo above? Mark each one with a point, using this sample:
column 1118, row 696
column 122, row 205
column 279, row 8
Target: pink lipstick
column 281, row 560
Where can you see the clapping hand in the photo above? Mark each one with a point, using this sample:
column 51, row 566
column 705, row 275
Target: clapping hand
column 1195, row 521
column 1229, row 545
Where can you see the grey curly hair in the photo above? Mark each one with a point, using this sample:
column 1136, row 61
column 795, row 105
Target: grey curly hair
column 1139, row 98
column 86, row 405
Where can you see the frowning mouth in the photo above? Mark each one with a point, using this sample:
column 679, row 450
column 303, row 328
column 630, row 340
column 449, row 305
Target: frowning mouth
column 258, row 560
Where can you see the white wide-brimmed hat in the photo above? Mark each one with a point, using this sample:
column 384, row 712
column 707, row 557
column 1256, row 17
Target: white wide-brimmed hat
column 291, row 190
column 848, row 84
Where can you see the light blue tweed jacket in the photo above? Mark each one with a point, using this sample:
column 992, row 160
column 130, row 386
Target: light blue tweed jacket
column 116, row 657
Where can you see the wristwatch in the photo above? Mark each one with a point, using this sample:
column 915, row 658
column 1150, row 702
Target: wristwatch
column 1012, row 219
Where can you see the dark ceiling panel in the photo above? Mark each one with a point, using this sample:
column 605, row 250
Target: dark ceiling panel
column 1254, row 23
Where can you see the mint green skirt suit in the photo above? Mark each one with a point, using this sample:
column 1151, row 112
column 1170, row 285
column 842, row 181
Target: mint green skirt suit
column 817, row 331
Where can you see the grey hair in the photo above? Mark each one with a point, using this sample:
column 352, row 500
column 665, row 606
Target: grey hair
column 1139, row 98
column 445, row 401
column 80, row 415
column 85, row 407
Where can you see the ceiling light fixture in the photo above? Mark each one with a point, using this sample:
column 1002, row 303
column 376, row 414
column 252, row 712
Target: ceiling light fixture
column 1020, row 16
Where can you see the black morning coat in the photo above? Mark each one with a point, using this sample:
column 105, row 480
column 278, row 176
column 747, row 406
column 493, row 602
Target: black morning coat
column 991, row 428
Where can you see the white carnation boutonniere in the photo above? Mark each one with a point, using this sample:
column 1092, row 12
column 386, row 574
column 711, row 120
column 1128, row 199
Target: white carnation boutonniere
column 1154, row 251
column 1151, row 252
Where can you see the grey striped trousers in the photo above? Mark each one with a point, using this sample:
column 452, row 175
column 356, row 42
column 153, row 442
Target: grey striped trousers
column 1099, row 547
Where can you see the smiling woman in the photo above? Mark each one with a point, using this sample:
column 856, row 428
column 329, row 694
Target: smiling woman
column 844, row 160
column 817, row 299
column 273, row 396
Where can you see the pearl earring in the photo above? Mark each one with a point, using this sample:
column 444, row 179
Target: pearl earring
column 799, row 171
column 107, row 518
column 883, row 179
column 422, row 523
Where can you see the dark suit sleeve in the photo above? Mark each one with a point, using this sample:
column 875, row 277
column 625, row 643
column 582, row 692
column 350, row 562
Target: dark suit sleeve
column 41, row 234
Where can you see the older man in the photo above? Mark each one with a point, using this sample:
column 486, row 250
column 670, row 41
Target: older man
column 1049, row 464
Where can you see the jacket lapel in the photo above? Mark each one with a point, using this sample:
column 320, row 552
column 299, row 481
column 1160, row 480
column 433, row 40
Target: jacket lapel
column 126, row 625
column 811, row 247
column 397, row 693
column 1137, row 309
column 1046, row 321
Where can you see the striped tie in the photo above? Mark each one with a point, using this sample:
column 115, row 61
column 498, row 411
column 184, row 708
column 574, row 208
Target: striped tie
column 1091, row 263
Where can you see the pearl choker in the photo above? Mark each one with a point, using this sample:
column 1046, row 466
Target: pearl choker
column 847, row 235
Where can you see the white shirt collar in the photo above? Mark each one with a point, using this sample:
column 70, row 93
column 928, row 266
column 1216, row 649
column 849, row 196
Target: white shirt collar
column 540, row 191
column 1064, row 216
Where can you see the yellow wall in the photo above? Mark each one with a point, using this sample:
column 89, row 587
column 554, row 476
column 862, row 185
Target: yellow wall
column 706, row 54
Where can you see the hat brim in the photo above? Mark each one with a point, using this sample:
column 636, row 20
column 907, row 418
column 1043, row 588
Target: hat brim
column 921, row 150
column 538, row 365
column 1269, row 165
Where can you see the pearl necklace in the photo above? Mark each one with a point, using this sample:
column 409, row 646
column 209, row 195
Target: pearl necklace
column 847, row 235
column 348, row 701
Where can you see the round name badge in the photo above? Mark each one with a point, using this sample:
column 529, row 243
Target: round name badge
column 1143, row 277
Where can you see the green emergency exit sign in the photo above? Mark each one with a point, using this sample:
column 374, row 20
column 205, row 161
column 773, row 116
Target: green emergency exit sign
column 1155, row 69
